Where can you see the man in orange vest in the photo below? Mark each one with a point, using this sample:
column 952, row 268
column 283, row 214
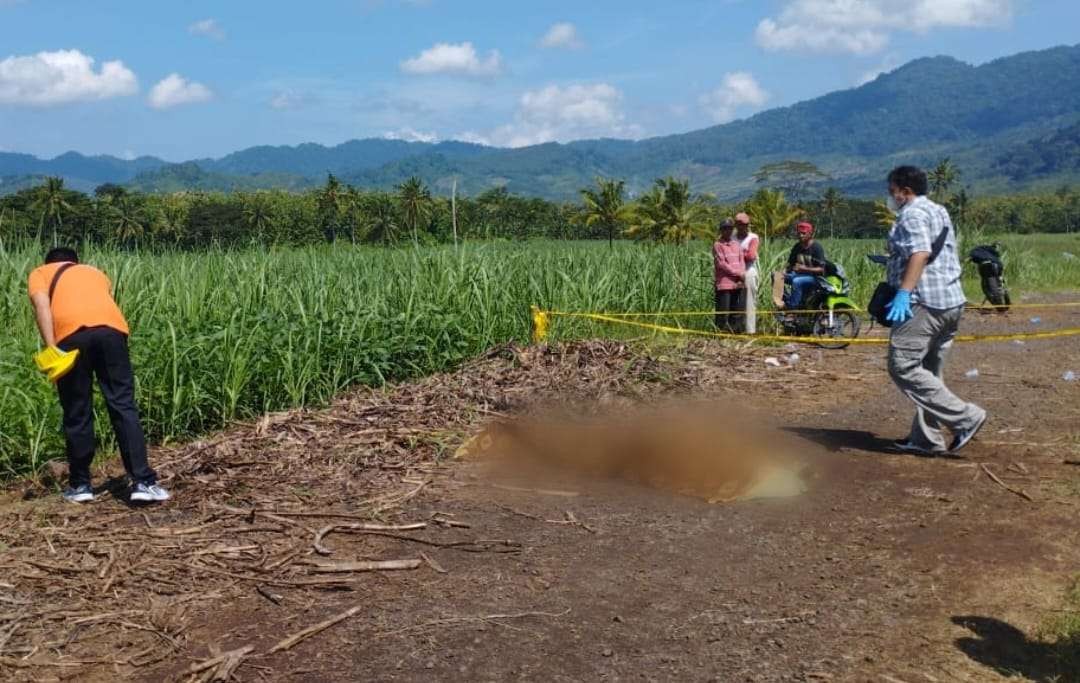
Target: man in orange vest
column 75, row 309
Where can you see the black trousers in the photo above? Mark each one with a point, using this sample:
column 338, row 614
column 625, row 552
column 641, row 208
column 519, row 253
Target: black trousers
column 103, row 352
column 730, row 310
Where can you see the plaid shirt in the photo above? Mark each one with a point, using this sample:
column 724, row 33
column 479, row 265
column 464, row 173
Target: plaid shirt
column 917, row 226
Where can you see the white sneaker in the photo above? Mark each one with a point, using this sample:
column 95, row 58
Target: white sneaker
column 149, row 493
column 79, row 494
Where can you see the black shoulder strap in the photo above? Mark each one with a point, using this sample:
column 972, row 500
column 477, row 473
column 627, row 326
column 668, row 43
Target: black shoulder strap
column 938, row 245
column 56, row 278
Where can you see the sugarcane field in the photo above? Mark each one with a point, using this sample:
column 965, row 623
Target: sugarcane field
column 516, row 341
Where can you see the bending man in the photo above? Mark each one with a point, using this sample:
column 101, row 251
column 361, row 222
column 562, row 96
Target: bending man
column 75, row 309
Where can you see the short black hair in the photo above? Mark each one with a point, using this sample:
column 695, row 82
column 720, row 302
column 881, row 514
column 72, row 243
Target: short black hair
column 911, row 177
column 62, row 255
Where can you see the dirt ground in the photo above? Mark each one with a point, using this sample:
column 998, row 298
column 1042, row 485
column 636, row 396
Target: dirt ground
column 890, row 568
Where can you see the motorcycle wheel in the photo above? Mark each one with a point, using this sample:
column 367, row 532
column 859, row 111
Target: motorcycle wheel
column 845, row 325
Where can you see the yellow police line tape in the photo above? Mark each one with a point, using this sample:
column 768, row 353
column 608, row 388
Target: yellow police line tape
column 541, row 320
column 986, row 308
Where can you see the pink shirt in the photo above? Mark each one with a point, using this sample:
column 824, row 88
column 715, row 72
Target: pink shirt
column 728, row 265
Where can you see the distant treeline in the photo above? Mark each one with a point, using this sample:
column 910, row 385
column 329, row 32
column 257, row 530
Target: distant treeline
column 51, row 213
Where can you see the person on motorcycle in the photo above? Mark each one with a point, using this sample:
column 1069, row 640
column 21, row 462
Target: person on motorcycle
column 805, row 263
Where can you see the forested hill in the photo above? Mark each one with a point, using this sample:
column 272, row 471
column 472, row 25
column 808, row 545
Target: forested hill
column 1007, row 124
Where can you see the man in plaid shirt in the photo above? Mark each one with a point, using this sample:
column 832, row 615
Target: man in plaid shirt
column 924, row 267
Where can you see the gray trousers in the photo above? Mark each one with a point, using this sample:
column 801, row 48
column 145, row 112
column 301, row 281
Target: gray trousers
column 917, row 351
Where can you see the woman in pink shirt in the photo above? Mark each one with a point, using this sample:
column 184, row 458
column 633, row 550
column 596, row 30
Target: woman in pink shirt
column 729, row 269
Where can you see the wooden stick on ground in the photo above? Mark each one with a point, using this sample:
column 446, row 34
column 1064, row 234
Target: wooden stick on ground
column 433, row 564
column 220, row 660
column 312, row 630
column 323, row 550
column 542, row 492
column 365, row 566
column 1020, row 492
column 16, row 663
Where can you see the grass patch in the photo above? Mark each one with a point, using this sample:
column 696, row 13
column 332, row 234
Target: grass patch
column 1063, row 632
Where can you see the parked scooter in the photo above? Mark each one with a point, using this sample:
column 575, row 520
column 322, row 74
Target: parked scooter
column 992, row 274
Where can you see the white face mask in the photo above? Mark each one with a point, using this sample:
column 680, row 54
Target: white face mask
column 893, row 205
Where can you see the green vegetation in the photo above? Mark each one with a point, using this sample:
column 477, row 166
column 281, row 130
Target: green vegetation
column 606, row 207
column 226, row 334
column 669, row 212
column 1063, row 633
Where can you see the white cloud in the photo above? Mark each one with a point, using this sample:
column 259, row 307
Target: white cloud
column 561, row 114
column 865, row 26
column 456, row 59
column 209, row 28
column 61, row 77
column 738, row 90
column 175, row 90
column 287, row 99
column 410, row 135
column 128, row 155
column 562, row 35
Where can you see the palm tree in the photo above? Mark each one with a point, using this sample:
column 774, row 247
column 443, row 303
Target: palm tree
column 771, row 212
column 415, row 201
column 884, row 215
column 380, row 218
column 605, row 206
column 52, row 204
column 942, row 178
column 170, row 218
column 128, row 219
column 353, row 210
column 958, row 206
column 647, row 221
column 492, row 204
column 667, row 214
column 831, row 200
column 330, row 206
column 257, row 215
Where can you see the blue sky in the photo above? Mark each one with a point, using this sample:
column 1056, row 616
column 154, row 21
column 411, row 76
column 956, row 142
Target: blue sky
column 194, row 78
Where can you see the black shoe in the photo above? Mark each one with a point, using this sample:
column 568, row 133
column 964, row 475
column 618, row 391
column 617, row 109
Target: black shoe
column 962, row 437
column 905, row 446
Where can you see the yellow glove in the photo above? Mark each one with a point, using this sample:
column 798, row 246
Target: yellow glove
column 54, row 362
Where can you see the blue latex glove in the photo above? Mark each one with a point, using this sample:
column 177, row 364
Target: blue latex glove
column 899, row 307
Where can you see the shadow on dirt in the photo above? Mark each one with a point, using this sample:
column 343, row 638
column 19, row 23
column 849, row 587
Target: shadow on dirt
column 1007, row 650
column 839, row 440
column 845, row 439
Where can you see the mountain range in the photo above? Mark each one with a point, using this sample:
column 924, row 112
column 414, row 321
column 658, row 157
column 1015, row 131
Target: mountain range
column 1009, row 124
